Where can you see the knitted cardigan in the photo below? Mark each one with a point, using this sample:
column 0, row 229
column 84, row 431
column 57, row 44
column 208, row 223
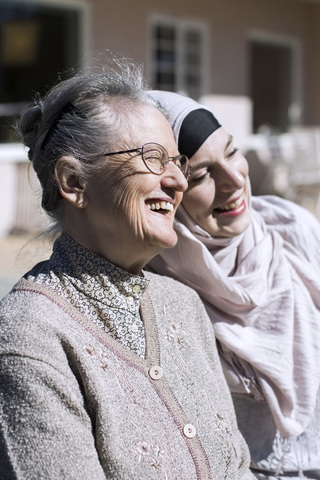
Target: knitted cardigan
column 77, row 404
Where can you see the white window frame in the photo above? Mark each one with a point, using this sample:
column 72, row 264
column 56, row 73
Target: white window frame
column 181, row 25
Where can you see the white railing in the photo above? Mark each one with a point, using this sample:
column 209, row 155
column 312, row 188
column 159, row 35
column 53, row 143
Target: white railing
column 20, row 209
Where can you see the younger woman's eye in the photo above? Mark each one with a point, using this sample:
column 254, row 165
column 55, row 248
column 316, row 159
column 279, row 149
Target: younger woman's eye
column 198, row 178
column 233, row 152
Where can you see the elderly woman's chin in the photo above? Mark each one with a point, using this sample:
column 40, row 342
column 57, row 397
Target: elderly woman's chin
column 162, row 236
column 167, row 241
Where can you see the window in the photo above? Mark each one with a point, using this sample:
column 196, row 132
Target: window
column 178, row 55
column 38, row 42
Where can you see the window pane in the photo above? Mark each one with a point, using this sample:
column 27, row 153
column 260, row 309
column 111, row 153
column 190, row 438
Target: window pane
column 178, row 56
column 164, row 58
column 193, row 60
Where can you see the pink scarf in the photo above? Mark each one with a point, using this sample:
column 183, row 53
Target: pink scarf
column 262, row 293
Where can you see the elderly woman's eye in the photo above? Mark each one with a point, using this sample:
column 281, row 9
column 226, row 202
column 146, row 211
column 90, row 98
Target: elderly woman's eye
column 152, row 156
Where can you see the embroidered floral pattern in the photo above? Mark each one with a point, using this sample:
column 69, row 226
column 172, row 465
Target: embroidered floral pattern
column 176, row 334
column 100, row 290
column 99, row 355
column 225, row 432
column 147, row 453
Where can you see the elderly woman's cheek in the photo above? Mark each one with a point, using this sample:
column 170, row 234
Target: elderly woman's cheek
column 130, row 204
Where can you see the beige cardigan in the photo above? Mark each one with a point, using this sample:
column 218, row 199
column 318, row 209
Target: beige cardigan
column 76, row 404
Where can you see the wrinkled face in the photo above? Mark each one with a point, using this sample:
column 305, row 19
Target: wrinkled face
column 130, row 209
column 217, row 198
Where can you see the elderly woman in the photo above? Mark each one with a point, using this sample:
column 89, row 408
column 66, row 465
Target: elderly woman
column 255, row 261
column 106, row 372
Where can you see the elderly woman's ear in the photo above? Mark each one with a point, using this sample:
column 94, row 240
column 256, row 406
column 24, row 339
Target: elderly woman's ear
column 71, row 185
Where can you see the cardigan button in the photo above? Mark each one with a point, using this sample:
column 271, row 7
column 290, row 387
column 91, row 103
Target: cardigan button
column 189, row 430
column 156, row 372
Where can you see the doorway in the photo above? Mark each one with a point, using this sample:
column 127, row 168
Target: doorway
column 272, row 85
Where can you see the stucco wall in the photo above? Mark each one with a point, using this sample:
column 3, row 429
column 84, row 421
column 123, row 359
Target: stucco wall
column 122, row 26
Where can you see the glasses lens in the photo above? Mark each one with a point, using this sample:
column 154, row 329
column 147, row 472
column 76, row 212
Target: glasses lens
column 155, row 157
column 182, row 162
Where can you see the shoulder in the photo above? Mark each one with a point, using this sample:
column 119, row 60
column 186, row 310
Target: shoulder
column 20, row 302
column 30, row 318
column 181, row 303
column 163, row 285
column 279, row 211
column 293, row 223
column 27, row 297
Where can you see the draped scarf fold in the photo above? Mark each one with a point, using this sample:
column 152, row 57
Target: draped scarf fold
column 261, row 290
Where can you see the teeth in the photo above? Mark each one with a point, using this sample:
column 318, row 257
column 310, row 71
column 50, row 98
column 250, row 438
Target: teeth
column 233, row 205
column 163, row 206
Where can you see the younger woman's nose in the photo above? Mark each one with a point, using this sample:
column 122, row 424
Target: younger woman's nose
column 229, row 179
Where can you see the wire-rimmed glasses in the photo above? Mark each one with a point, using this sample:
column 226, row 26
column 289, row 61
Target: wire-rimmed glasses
column 156, row 158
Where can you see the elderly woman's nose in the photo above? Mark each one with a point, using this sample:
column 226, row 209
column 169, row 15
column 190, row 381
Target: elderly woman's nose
column 174, row 178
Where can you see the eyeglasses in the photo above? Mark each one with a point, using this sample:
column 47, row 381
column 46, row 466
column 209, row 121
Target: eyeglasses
column 156, row 158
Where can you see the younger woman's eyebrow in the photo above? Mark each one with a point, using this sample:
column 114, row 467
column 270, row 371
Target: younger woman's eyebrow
column 230, row 140
column 205, row 163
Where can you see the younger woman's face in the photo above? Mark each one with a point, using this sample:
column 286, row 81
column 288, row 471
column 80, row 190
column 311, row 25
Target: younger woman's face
column 217, row 197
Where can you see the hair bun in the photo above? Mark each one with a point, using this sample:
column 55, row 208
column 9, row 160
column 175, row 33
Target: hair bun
column 29, row 123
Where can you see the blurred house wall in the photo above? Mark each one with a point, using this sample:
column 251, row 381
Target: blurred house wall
column 124, row 27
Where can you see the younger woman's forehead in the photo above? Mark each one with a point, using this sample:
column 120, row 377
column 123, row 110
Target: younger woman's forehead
column 218, row 141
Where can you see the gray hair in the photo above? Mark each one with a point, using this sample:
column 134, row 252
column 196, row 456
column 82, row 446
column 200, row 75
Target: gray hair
column 83, row 117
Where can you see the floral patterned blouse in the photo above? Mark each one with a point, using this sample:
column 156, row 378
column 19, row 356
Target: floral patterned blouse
column 100, row 290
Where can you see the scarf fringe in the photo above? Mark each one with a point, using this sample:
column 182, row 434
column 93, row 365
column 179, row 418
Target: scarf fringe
column 294, row 454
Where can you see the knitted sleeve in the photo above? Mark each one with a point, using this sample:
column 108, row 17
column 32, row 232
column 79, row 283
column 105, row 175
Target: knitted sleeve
column 42, row 412
column 42, row 406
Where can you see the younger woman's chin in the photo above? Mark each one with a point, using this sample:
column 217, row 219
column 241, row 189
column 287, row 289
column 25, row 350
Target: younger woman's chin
column 235, row 230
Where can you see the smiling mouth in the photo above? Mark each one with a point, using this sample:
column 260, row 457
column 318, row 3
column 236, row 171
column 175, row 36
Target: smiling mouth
column 230, row 206
column 161, row 207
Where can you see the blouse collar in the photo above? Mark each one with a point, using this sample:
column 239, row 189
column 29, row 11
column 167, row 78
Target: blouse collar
column 94, row 275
